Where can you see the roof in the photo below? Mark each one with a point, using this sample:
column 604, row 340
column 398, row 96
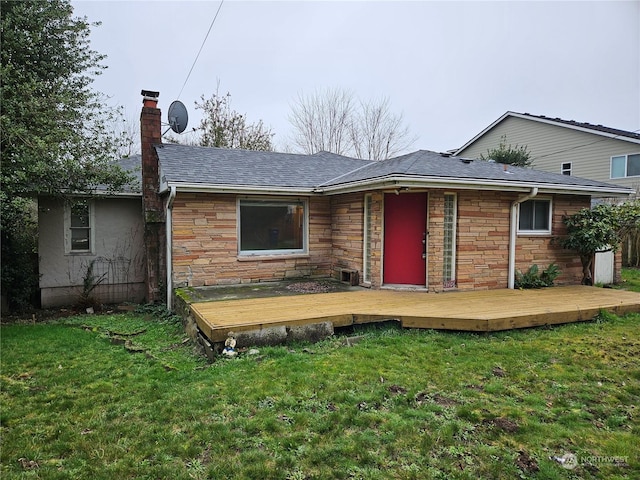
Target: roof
column 132, row 165
column 209, row 169
column 437, row 169
column 609, row 132
column 209, row 166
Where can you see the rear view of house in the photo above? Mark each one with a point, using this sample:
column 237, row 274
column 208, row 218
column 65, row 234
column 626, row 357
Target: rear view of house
column 423, row 221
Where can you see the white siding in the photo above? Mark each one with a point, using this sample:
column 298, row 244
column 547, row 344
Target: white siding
column 551, row 146
column 119, row 253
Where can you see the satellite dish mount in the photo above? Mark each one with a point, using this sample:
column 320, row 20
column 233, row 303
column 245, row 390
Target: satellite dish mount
column 178, row 116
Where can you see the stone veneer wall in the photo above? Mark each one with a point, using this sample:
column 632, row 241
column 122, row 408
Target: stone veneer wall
column 205, row 244
column 483, row 241
column 347, row 220
column 205, row 241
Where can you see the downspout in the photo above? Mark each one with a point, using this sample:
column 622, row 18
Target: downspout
column 513, row 235
column 169, row 242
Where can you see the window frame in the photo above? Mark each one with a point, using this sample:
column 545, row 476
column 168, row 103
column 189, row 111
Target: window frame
column 449, row 264
column 625, row 156
column 534, row 231
column 68, row 228
column 566, row 168
column 280, row 201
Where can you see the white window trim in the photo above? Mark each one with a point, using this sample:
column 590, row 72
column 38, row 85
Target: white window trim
column 563, row 170
column 67, row 230
column 626, row 165
column 245, row 254
column 538, row 232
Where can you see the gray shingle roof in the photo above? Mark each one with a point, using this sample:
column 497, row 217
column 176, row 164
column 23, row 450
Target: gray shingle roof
column 207, row 167
column 133, row 165
column 219, row 166
column 599, row 128
column 424, row 163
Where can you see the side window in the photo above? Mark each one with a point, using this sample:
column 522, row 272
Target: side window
column 79, row 226
column 625, row 166
column 565, row 169
column 535, row 217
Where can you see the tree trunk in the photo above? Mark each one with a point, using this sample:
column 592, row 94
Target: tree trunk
column 587, row 261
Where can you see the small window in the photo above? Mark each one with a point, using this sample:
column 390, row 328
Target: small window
column 625, row 166
column 79, row 226
column 535, row 217
column 272, row 227
column 566, row 168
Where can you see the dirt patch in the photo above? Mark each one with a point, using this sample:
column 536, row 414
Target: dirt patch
column 443, row 401
column 498, row 372
column 311, row 287
column 525, row 463
column 397, row 389
column 504, row 424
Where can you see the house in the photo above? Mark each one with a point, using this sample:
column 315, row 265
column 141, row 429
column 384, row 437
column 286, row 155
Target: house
column 427, row 221
column 565, row 146
column 92, row 246
column 423, row 220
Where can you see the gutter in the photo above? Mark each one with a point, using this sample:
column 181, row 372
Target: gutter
column 169, row 242
column 513, row 235
column 393, row 181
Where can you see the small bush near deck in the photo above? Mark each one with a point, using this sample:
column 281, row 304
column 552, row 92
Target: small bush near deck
column 533, row 279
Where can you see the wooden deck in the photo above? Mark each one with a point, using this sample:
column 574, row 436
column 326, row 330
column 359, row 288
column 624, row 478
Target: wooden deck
column 478, row 311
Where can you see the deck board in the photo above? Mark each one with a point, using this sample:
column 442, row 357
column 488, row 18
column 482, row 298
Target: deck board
column 479, row 311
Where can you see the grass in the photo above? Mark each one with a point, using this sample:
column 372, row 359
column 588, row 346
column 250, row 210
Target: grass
column 631, row 279
column 123, row 396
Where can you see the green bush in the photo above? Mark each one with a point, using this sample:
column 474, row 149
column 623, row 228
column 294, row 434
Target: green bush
column 533, row 279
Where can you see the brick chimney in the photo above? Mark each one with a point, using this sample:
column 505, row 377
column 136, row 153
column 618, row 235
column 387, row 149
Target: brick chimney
column 152, row 204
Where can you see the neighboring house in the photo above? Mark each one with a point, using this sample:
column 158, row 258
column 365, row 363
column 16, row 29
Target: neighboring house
column 425, row 220
column 565, row 146
column 92, row 243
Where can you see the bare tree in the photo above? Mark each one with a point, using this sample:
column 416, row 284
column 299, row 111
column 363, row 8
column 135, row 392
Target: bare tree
column 126, row 131
column 379, row 134
column 333, row 120
column 322, row 121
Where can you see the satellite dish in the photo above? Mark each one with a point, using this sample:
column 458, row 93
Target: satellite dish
column 178, row 117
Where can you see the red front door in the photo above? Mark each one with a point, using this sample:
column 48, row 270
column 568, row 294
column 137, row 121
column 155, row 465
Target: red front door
column 405, row 219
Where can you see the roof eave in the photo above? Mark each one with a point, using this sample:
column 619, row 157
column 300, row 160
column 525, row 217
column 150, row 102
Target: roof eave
column 548, row 121
column 400, row 181
column 237, row 189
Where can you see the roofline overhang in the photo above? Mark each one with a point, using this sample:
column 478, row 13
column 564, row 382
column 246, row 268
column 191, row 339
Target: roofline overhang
column 548, row 121
column 95, row 193
column 238, row 189
column 403, row 181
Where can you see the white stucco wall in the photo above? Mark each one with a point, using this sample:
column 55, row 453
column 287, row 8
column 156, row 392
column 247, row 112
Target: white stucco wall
column 118, row 253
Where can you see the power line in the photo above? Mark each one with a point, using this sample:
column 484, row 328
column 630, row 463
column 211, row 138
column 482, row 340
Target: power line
column 201, row 47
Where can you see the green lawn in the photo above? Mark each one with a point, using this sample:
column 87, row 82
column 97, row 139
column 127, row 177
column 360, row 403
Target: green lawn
column 631, row 279
column 400, row 404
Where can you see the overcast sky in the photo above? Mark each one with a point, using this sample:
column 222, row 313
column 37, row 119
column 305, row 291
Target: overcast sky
column 450, row 68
